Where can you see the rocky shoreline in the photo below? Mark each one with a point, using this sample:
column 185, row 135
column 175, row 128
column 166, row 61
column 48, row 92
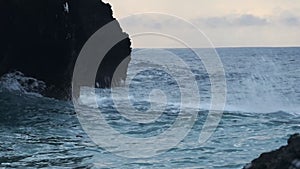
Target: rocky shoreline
column 286, row 157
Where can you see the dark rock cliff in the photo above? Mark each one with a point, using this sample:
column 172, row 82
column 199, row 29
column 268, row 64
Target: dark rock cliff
column 42, row 39
column 286, row 157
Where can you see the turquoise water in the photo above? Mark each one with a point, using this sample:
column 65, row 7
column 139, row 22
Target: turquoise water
column 262, row 110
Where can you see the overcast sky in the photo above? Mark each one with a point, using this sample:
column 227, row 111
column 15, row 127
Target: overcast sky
column 224, row 22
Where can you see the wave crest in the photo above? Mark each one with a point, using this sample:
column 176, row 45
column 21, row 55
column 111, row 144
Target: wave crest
column 17, row 82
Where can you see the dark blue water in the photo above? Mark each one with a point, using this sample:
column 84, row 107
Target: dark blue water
column 261, row 111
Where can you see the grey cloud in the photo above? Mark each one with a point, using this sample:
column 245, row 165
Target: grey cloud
column 155, row 21
column 141, row 21
column 229, row 21
column 216, row 21
column 234, row 20
column 291, row 21
column 248, row 20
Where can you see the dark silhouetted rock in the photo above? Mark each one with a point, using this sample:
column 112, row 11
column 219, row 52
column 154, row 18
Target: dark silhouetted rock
column 286, row 157
column 43, row 38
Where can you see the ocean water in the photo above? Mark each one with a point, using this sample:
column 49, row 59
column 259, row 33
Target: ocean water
column 261, row 111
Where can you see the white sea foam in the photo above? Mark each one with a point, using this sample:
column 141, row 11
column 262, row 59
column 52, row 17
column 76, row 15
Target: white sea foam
column 18, row 82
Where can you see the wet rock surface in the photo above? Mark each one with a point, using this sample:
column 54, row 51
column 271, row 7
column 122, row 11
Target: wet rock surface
column 286, row 157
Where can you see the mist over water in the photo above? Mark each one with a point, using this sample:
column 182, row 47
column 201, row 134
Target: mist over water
column 263, row 80
column 262, row 110
column 259, row 80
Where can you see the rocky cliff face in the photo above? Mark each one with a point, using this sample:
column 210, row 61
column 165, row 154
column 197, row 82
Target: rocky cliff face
column 42, row 39
column 287, row 157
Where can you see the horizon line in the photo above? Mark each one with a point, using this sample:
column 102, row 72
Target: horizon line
column 296, row 46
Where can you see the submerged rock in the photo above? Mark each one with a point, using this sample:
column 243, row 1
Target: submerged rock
column 286, row 157
column 43, row 38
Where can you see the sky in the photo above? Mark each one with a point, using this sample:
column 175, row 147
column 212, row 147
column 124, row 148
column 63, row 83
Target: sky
column 224, row 23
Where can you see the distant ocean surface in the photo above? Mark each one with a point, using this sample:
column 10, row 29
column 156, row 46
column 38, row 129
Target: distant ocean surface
column 262, row 110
